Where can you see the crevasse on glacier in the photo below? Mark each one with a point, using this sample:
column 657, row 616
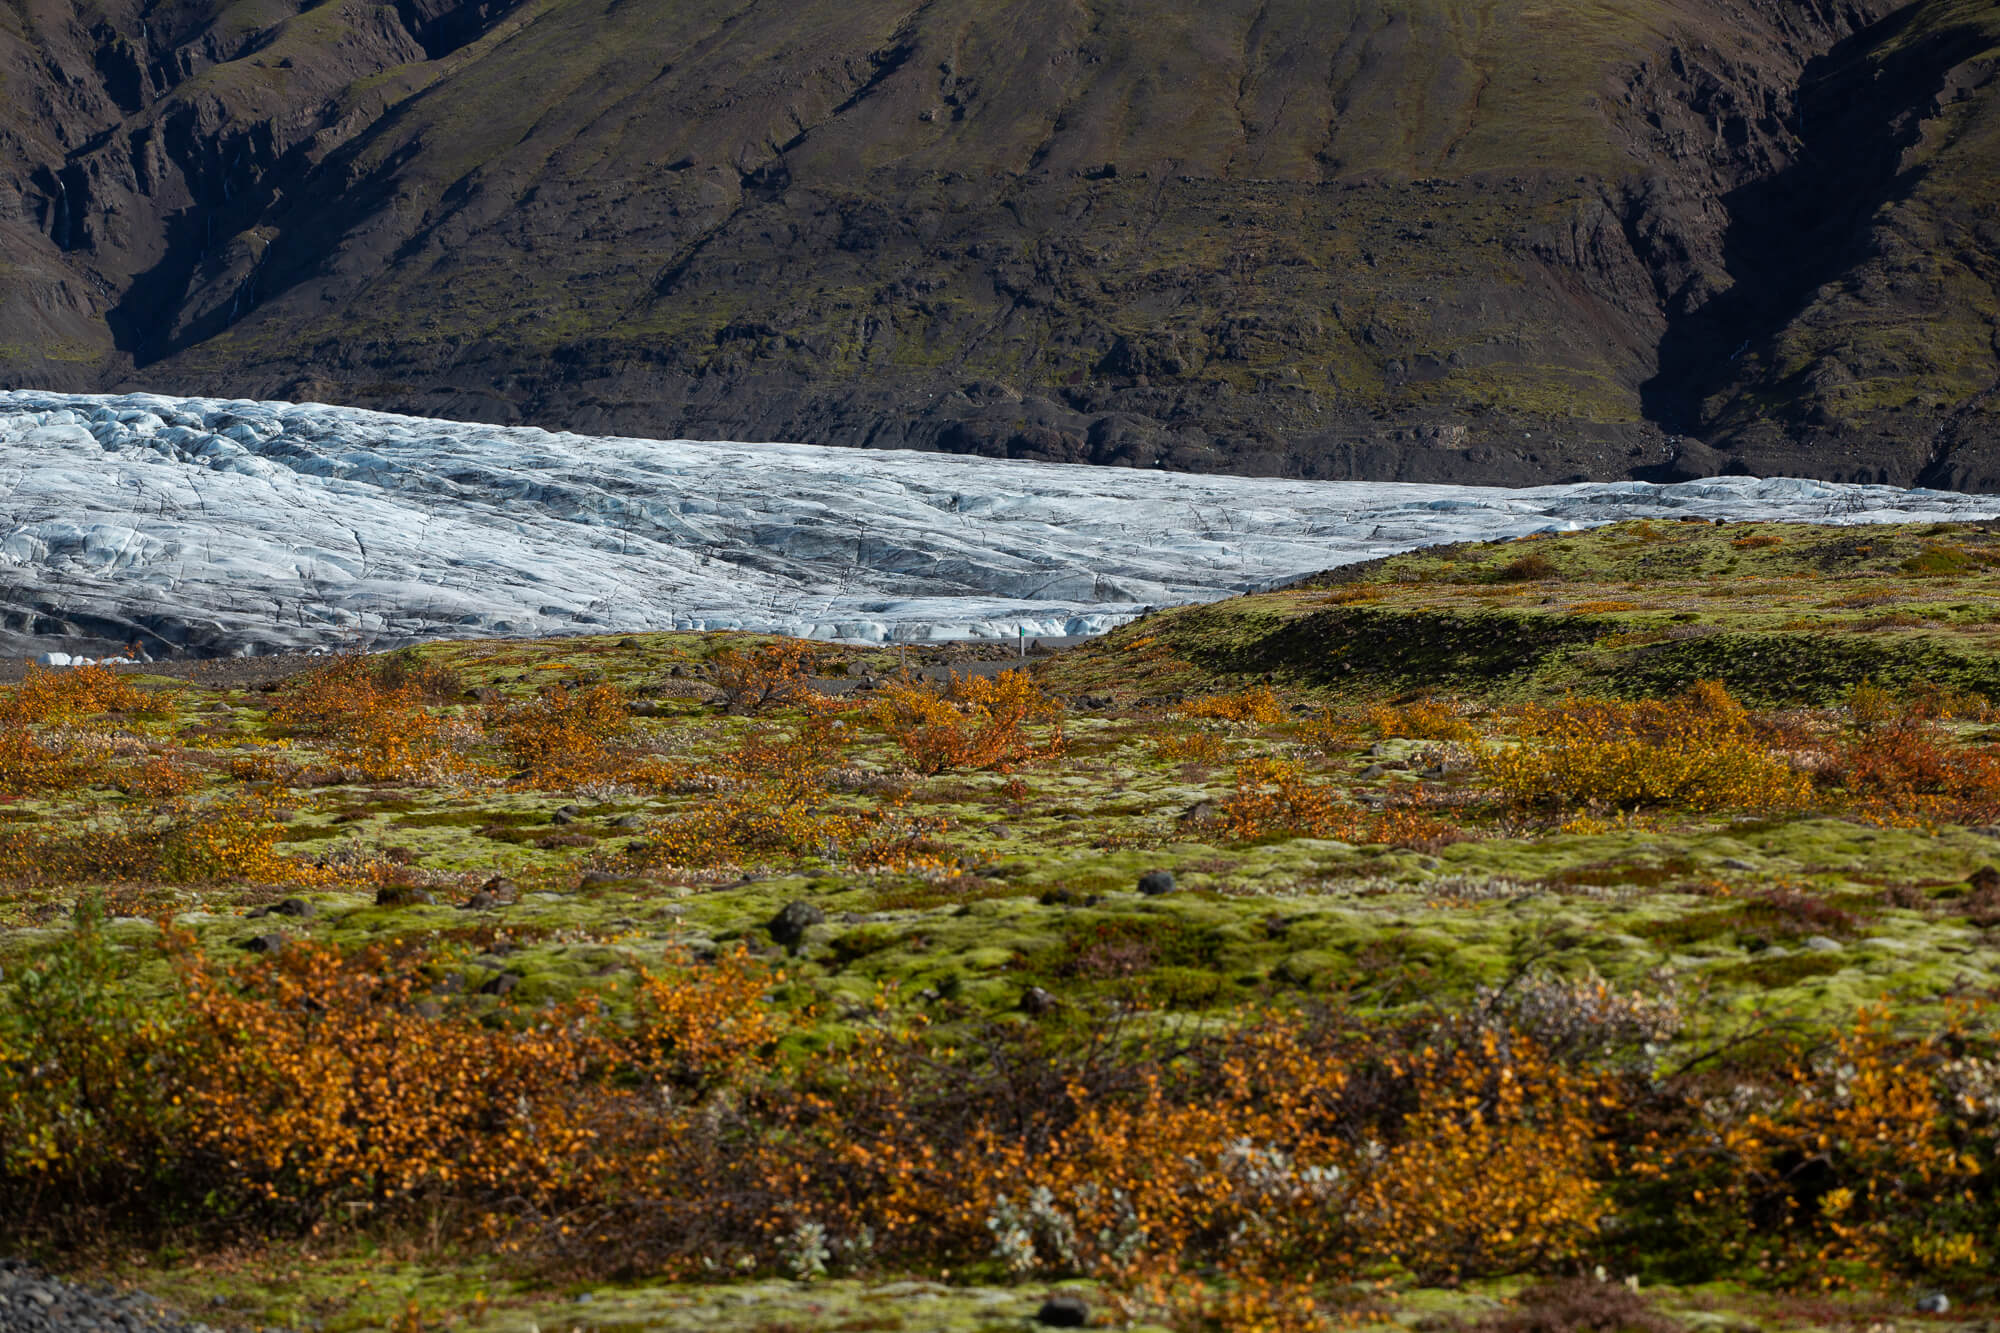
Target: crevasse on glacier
column 224, row 526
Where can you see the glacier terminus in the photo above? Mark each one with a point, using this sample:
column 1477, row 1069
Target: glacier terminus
column 228, row 527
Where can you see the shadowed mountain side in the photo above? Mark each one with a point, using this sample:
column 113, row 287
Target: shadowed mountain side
column 1436, row 241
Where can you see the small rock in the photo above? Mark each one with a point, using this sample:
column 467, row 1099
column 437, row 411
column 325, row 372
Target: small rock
column 629, row 643
column 502, row 983
column 568, row 814
column 402, row 895
column 1064, row 1310
column 502, row 888
column 793, row 920
column 1823, row 944
column 1201, row 812
column 1735, row 863
column 597, row 879
column 297, row 907
column 628, row 822
column 1036, row 1001
column 264, row 943
column 1373, row 771
column 481, row 901
column 1156, row 882
column 1984, row 880
column 1933, row 1302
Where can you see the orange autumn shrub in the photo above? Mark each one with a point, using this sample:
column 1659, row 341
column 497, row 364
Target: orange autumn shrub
column 176, row 841
column 1258, row 706
column 31, row 763
column 157, row 777
column 777, row 820
column 1190, row 745
column 1872, row 1155
column 320, row 1079
column 563, row 737
column 317, row 1078
column 1910, row 768
column 1497, row 1168
column 974, row 722
column 1280, row 1148
column 1423, row 719
column 69, row 694
column 49, row 739
column 370, row 719
column 777, row 675
column 1275, row 797
column 1701, row 750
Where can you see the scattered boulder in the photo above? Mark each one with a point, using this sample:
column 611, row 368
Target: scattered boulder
column 1065, row 1309
column 500, row 983
column 481, row 901
column 793, row 920
column 265, row 943
column 502, row 888
column 628, row 823
column 1984, row 880
column 597, row 879
column 1035, row 1001
column 568, row 814
column 1933, row 1302
column 292, row 907
column 1735, row 863
column 402, row 895
column 1156, row 882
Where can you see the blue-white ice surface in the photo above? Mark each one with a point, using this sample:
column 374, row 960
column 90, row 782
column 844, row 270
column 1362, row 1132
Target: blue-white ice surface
column 260, row 526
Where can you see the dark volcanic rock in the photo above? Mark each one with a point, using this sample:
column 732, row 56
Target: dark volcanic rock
column 793, row 920
column 32, row 1301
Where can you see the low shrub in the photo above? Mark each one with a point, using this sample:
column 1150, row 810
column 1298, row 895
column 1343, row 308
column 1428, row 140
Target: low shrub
column 1701, row 750
column 776, row 675
column 973, row 723
column 1423, row 719
column 1258, row 706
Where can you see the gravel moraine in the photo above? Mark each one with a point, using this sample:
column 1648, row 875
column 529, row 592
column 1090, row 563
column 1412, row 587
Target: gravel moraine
column 33, row 1302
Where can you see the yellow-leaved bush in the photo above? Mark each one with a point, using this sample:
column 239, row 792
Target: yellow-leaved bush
column 1701, row 750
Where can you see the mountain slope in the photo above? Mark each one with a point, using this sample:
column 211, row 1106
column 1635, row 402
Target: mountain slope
column 1435, row 240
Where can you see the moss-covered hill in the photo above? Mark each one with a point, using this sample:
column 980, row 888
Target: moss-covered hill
column 1438, row 240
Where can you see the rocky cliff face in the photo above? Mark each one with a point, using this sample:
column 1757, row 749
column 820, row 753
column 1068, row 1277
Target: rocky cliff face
column 1430, row 241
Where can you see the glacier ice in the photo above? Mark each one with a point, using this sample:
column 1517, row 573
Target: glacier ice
column 228, row 526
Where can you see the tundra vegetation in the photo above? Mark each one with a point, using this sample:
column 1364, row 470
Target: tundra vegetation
column 1424, row 943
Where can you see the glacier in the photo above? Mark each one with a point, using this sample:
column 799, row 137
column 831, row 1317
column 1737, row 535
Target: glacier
column 210, row 526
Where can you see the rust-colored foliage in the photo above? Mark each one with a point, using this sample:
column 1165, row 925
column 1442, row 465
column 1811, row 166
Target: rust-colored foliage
column 777, row 675
column 49, row 740
column 974, row 722
column 1910, row 767
column 177, row 841
column 1277, row 797
column 1422, row 719
column 563, row 737
column 373, row 720
column 1258, row 706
